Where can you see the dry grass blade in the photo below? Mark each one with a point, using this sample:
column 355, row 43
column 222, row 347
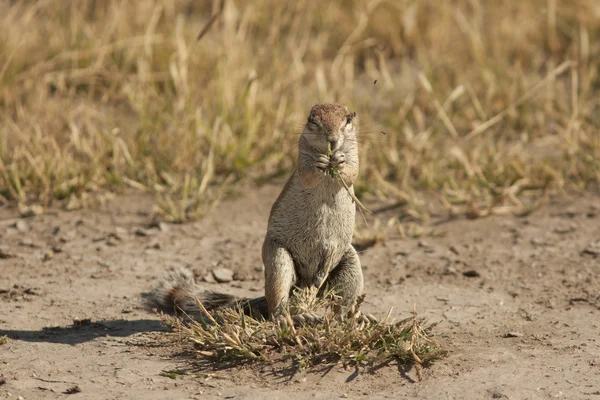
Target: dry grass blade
column 211, row 21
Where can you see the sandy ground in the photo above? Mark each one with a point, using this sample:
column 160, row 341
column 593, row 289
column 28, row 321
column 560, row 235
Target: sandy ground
column 517, row 301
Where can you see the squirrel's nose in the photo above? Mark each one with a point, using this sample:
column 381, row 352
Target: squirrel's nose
column 333, row 141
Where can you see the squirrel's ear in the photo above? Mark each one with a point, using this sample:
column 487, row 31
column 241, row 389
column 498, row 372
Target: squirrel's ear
column 350, row 117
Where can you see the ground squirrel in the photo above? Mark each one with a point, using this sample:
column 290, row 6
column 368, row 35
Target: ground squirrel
column 309, row 234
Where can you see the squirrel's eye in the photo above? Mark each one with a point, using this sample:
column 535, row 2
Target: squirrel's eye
column 350, row 117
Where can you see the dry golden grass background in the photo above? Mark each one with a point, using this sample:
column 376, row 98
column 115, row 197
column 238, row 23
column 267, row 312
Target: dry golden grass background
column 487, row 106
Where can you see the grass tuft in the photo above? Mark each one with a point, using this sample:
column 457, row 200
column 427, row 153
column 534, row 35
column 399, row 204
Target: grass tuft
column 227, row 338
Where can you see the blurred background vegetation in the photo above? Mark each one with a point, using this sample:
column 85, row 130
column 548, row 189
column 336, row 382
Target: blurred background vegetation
column 487, row 106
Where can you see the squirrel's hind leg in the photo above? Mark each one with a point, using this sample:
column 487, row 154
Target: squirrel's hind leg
column 280, row 276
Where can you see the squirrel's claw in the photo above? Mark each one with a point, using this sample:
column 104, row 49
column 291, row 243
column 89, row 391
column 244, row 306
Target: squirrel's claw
column 307, row 318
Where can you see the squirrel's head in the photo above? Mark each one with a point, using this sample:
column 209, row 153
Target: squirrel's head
column 329, row 123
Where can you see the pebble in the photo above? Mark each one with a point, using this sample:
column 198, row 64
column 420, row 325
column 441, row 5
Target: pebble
column 222, row 275
column 21, row 226
column 30, row 243
column 593, row 249
column 155, row 244
column 73, row 203
column 423, row 243
column 471, row 274
column 512, row 334
column 450, row 270
column 30, row 211
column 49, row 255
column 538, row 241
column 163, row 227
column 5, row 254
column 209, row 278
column 143, row 232
column 564, row 229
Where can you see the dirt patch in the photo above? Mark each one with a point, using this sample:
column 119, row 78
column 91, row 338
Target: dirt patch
column 517, row 301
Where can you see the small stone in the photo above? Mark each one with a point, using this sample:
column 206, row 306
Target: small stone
column 209, row 278
column 105, row 264
column 98, row 238
column 450, row 270
column 240, row 276
column 5, row 254
column 32, row 291
column 562, row 230
column 163, row 227
column 21, row 226
column 592, row 249
column 29, row 243
column 222, row 275
column 73, row 204
column 538, row 241
column 155, row 244
column 30, row 211
column 144, row 232
column 36, row 209
column 72, row 390
column 49, row 255
column 68, row 236
column 512, row 334
column 426, row 246
column 126, row 310
column 471, row 274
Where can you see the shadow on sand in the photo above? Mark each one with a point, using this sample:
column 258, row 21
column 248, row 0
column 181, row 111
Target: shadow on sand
column 85, row 330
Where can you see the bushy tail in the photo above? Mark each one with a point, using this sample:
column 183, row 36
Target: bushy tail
column 177, row 293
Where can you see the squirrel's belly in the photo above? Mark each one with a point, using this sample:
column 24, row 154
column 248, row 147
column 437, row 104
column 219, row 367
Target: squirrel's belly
column 319, row 233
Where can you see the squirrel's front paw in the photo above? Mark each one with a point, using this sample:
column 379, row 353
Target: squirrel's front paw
column 322, row 163
column 338, row 159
